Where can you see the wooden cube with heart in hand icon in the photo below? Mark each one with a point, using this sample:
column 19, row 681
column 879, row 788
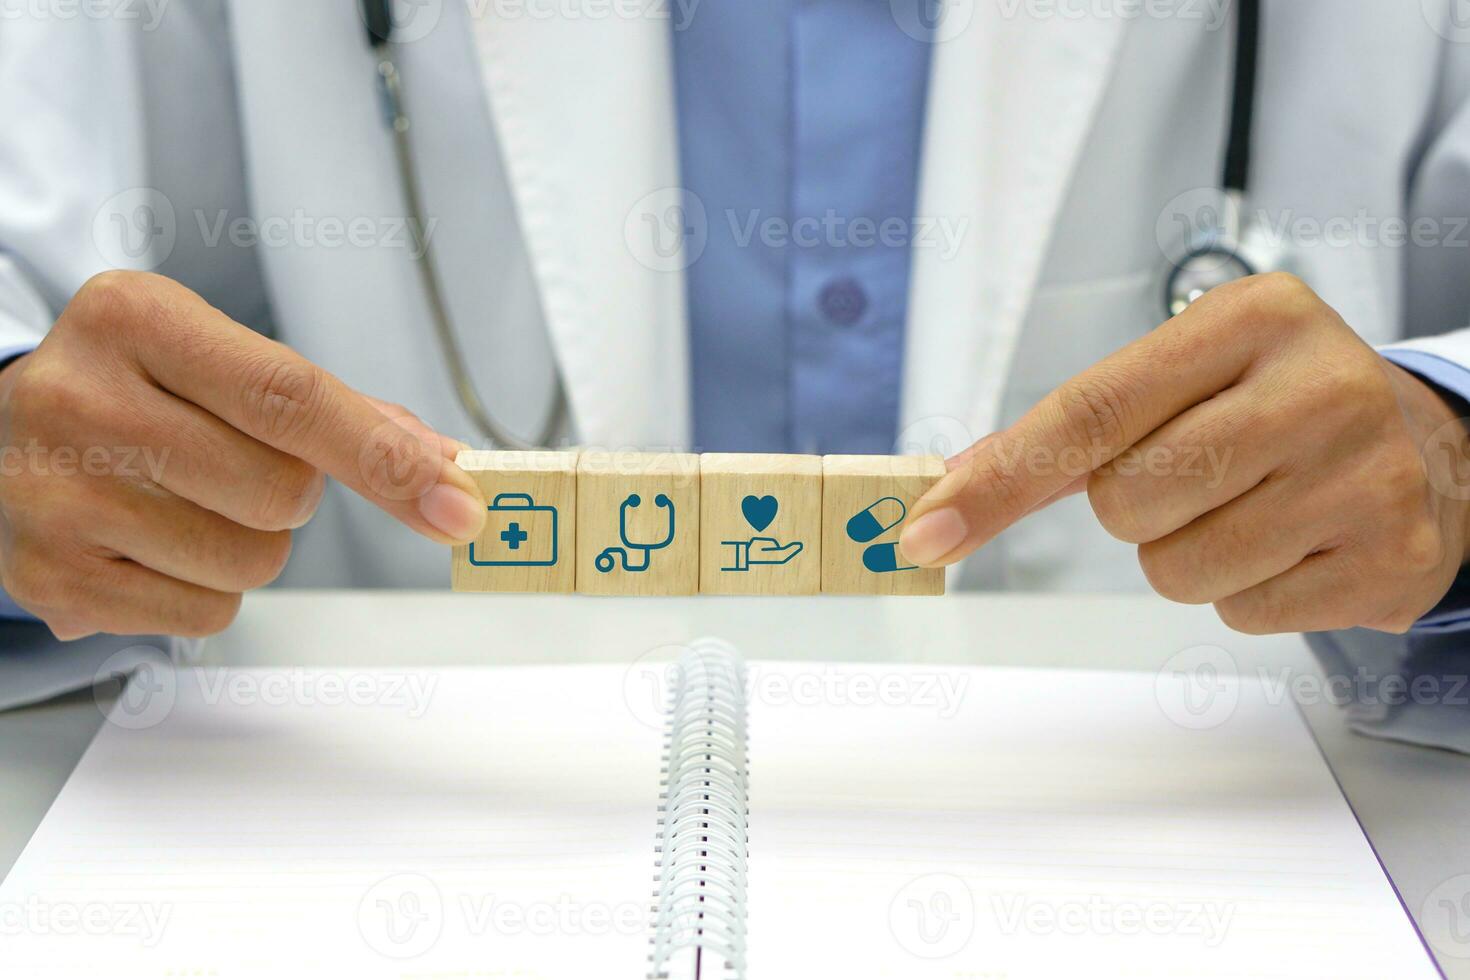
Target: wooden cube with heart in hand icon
column 761, row 524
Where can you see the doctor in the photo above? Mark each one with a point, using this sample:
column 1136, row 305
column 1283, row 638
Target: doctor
column 784, row 225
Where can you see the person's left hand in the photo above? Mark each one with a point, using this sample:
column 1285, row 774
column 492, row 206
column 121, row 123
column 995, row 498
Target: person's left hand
column 1259, row 453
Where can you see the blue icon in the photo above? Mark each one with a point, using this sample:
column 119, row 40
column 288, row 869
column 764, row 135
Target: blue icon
column 519, row 534
column 514, row 536
column 759, row 511
column 756, row 551
column 878, row 518
column 610, row 557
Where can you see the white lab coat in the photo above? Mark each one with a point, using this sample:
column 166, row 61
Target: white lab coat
column 1057, row 140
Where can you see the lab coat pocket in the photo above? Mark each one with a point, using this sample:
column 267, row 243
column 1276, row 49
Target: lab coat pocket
column 1070, row 327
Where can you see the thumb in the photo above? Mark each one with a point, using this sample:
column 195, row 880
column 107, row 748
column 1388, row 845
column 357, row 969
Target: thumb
column 404, row 458
column 448, row 446
column 938, row 531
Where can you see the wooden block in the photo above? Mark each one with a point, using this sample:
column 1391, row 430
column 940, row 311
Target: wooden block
column 637, row 523
column 760, row 524
column 865, row 500
column 529, row 541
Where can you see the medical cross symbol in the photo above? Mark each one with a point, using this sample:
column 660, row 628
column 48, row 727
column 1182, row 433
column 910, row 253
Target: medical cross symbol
column 513, row 536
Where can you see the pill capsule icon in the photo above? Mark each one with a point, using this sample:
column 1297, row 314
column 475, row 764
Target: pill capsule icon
column 882, row 558
column 882, row 515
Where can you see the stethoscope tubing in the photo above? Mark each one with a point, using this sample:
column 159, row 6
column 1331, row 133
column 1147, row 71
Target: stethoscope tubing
column 391, row 84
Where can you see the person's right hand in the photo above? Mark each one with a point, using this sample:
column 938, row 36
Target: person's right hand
column 155, row 456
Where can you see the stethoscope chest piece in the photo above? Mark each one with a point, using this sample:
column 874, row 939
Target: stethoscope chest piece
column 1200, row 271
column 1218, row 239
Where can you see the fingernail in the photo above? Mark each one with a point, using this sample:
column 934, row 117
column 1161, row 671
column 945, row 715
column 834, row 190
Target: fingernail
column 309, row 504
column 933, row 536
column 453, row 512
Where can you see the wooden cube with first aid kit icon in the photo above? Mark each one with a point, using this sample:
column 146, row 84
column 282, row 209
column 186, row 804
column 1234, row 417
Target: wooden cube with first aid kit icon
column 637, row 523
column 761, row 524
column 865, row 501
column 529, row 540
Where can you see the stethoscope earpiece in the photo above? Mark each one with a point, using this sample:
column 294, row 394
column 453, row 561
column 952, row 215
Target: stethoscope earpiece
column 1217, row 258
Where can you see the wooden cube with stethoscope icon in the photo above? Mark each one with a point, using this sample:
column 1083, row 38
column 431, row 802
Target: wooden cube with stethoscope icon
column 638, row 528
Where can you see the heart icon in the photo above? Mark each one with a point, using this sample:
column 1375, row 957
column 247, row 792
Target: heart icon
column 759, row 511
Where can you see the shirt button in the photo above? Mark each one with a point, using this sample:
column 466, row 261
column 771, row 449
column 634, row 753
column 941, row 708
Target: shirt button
column 843, row 302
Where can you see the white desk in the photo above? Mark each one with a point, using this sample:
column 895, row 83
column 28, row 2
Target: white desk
column 1414, row 803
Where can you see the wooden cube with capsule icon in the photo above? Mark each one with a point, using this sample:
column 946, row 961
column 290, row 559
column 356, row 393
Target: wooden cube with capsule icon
column 865, row 502
column 761, row 524
column 637, row 523
column 529, row 540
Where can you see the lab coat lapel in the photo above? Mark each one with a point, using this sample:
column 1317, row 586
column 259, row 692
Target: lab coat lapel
column 1011, row 101
column 583, row 107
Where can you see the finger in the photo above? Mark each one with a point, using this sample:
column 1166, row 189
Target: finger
column 1083, row 424
column 274, row 395
column 961, row 459
column 185, row 450
column 1323, row 592
column 1189, row 466
column 449, row 447
column 1249, row 540
column 1072, row 489
column 184, row 541
column 118, row 596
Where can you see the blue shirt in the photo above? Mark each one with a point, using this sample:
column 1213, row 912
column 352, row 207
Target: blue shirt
column 799, row 130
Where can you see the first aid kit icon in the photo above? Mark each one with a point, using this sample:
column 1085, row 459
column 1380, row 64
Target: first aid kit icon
column 518, row 534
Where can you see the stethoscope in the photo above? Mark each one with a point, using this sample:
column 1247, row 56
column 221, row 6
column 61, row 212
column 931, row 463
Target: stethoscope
column 610, row 557
column 1215, row 257
column 378, row 14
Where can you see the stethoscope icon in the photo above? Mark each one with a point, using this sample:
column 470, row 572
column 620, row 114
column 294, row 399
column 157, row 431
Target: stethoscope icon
column 606, row 561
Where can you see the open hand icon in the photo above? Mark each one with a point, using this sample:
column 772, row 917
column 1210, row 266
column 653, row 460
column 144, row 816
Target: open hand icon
column 761, row 551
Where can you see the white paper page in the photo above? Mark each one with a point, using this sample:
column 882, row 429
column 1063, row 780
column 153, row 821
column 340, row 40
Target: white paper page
column 456, row 823
column 991, row 823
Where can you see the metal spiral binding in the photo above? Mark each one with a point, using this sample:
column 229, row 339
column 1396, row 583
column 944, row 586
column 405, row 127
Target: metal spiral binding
column 699, row 902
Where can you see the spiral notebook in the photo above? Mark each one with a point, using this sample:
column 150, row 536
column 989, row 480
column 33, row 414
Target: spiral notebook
column 707, row 818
